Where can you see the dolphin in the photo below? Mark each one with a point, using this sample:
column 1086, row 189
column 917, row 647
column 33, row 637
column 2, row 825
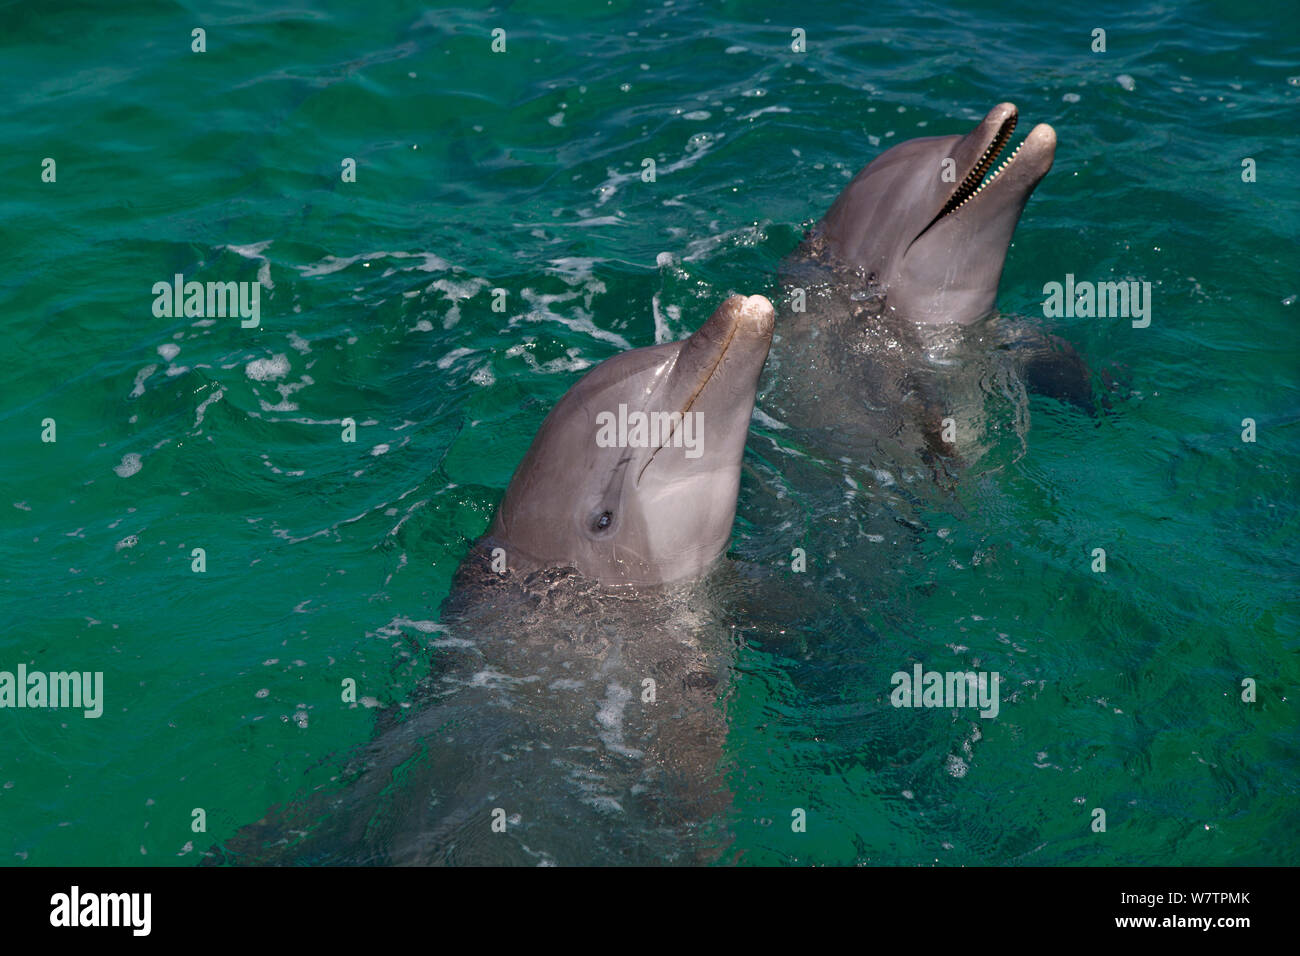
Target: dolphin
column 928, row 224
column 887, row 326
column 653, row 504
column 894, row 385
column 572, row 713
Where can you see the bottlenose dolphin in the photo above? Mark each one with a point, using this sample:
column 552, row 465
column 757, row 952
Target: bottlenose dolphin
column 893, row 386
column 572, row 715
column 632, row 478
column 887, row 329
column 923, row 224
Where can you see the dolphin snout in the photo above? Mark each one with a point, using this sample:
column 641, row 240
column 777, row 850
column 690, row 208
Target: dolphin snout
column 756, row 314
column 1038, row 150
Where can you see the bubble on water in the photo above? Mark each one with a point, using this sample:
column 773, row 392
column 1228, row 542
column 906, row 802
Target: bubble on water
column 264, row 692
column 1293, row 80
column 169, row 351
column 264, row 370
column 129, row 466
column 1071, row 98
column 1290, row 300
column 697, row 115
column 1126, row 81
column 130, row 541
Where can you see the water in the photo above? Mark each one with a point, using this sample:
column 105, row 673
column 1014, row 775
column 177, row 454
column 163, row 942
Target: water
column 521, row 171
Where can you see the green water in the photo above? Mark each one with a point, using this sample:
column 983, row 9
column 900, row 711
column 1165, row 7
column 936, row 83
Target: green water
column 476, row 171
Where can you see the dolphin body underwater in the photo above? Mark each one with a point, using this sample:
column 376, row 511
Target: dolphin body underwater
column 573, row 713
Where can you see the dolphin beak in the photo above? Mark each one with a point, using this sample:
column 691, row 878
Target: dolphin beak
column 740, row 329
column 722, row 361
column 1015, row 177
column 736, row 338
column 746, row 315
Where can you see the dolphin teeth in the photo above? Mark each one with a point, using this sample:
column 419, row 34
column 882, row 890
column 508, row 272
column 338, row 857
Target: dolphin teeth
column 971, row 185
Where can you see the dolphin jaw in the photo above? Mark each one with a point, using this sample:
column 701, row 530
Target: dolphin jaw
column 1042, row 146
column 974, row 180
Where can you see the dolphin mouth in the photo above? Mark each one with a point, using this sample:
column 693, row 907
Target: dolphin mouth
column 975, row 181
column 1001, row 121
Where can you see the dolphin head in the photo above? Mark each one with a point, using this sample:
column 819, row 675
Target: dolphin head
column 633, row 476
column 926, row 223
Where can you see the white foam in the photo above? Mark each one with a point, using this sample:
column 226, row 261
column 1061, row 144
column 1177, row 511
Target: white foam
column 264, row 370
column 450, row 358
column 662, row 334
column 766, row 420
column 140, row 377
column 254, row 251
column 428, row 262
column 580, row 321
column 610, row 718
column 766, row 109
column 130, row 465
column 696, row 148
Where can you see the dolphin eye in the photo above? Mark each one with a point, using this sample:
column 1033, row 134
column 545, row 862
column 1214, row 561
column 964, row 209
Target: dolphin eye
column 604, row 520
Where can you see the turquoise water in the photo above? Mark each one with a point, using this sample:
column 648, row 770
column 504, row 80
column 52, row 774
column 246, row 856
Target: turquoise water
column 521, row 171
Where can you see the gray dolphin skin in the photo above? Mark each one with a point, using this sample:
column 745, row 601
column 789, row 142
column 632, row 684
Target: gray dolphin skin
column 635, row 511
column 900, row 278
column 572, row 713
column 936, row 243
